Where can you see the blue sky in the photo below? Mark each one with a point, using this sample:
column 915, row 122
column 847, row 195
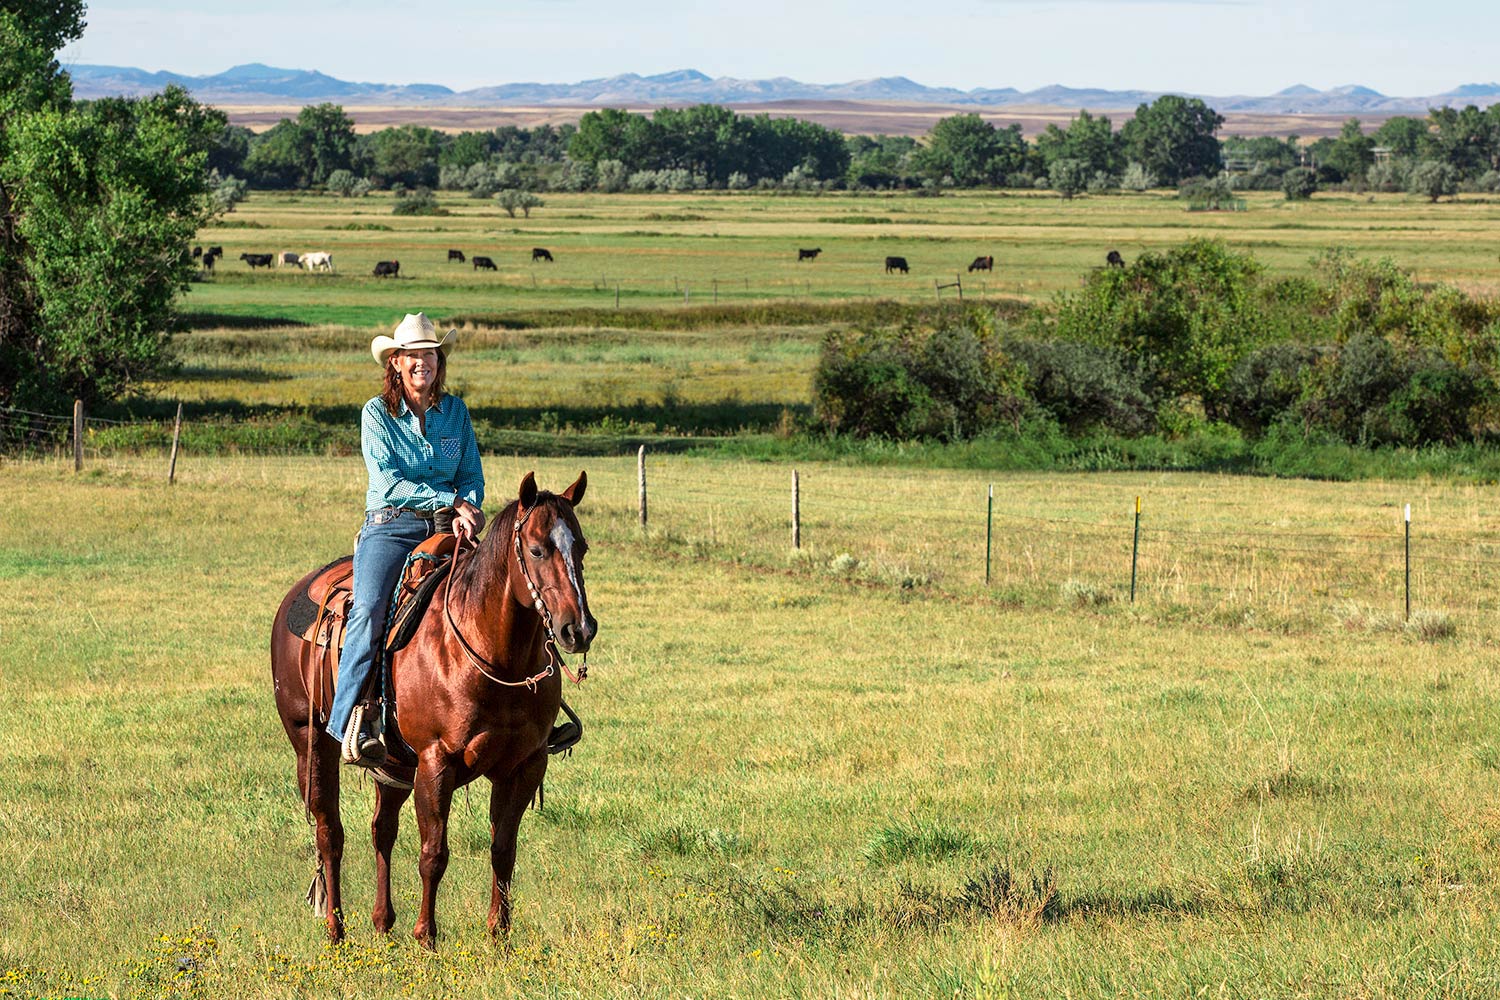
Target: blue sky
column 1202, row 46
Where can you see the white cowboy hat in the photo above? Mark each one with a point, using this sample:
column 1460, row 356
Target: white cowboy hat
column 415, row 333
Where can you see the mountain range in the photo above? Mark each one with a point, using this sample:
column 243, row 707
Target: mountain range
column 256, row 83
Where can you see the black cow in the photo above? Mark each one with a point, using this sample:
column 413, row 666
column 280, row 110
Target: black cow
column 896, row 264
column 986, row 263
column 216, row 251
column 541, row 253
column 808, row 254
column 457, row 255
column 1114, row 259
column 387, row 269
column 484, row 263
column 208, row 261
column 197, row 252
column 258, row 259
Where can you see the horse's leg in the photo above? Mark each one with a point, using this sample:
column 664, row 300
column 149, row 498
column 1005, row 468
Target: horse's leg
column 383, row 828
column 509, row 796
column 318, row 776
column 433, row 795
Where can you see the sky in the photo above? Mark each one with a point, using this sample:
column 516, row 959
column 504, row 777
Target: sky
column 1216, row 47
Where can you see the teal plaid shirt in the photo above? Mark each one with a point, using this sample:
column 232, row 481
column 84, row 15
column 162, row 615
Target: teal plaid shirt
column 408, row 469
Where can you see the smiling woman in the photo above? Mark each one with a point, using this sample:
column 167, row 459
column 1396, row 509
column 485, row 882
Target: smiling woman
column 420, row 451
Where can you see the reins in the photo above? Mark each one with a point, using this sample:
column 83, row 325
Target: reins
column 483, row 665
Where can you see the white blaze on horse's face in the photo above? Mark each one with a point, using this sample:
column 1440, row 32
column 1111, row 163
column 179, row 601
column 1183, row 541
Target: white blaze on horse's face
column 575, row 625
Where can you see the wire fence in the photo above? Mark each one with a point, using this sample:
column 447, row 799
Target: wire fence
column 1072, row 537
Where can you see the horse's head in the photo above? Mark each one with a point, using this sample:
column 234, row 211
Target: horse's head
column 549, row 548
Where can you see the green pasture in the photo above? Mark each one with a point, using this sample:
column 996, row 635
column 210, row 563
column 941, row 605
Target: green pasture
column 854, row 771
column 665, row 250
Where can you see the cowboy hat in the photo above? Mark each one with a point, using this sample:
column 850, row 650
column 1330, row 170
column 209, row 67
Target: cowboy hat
column 415, row 333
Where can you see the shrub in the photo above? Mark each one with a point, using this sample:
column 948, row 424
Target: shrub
column 420, row 201
column 1206, row 192
column 1137, row 178
column 1299, row 184
column 1084, row 386
column 511, row 199
column 1068, row 177
column 1266, row 384
column 1433, row 179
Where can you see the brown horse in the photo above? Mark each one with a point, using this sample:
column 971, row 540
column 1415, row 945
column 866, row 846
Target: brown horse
column 476, row 692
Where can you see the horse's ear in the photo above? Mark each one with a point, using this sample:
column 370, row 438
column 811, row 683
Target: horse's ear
column 574, row 494
column 528, row 492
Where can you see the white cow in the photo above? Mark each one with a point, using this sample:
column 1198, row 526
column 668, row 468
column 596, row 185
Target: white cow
column 317, row 261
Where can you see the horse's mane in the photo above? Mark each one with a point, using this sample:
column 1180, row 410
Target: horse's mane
column 494, row 547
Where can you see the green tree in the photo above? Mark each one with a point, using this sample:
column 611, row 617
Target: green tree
column 406, row 154
column 1087, row 138
column 971, row 151
column 1405, row 138
column 1465, row 139
column 1068, row 177
column 1351, row 154
column 328, row 141
column 97, row 203
column 1299, row 184
column 1433, row 179
column 1174, row 138
column 279, row 157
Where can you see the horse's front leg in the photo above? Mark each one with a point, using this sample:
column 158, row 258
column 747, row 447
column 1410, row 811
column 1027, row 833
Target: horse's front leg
column 509, row 796
column 383, row 829
column 433, row 795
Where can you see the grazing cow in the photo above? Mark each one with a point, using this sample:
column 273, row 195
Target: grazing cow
column 288, row 259
column 457, row 255
column 318, row 260
column 1114, row 259
column 197, row 252
column 808, row 254
column 541, row 253
column 258, row 260
column 896, row 264
column 387, row 269
column 208, row 261
column 986, row 263
column 483, row 263
column 216, row 251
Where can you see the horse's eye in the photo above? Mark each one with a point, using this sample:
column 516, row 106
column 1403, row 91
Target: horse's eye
column 537, row 552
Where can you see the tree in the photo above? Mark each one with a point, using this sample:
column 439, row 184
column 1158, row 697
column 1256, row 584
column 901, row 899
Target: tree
column 279, row 157
column 1088, row 139
column 1299, row 184
column 1434, row 179
column 1464, row 139
column 1068, row 177
column 97, row 203
column 1173, row 137
column 1406, row 138
column 971, row 151
column 511, row 199
column 328, row 141
column 1352, row 153
column 406, row 154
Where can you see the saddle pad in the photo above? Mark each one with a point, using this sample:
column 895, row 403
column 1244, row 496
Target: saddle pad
column 409, row 614
column 304, row 610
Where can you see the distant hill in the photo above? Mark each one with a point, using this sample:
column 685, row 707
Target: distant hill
column 256, row 83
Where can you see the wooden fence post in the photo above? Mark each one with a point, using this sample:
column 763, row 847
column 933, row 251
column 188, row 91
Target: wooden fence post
column 176, row 436
column 77, row 435
column 796, row 510
column 640, row 467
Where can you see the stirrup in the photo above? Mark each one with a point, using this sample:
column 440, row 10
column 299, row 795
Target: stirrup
column 564, row 737
column 350, row 750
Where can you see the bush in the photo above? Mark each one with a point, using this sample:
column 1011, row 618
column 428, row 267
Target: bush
column 511, row 199
column 1068, row 177
column 1299, row 184
column 420, row 201
column 1210, row 193
column 1137, row 178
column 1433, row 179
column 1266, row 385
column 1084, row 386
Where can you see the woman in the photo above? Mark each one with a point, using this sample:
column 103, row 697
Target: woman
column 422, row 457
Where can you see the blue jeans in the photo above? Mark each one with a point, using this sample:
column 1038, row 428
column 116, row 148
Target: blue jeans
column 385, row 540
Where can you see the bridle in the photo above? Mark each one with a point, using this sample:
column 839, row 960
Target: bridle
column 554, row 658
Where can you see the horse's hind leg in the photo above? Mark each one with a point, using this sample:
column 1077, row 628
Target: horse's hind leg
column 318, row 778
column 383, row 829
column 508, row 800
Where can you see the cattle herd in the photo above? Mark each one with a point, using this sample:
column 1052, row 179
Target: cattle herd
column 323, row 261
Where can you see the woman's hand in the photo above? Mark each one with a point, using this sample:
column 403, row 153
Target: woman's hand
column 468, row 521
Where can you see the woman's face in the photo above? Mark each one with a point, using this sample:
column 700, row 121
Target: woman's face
column 418, row 369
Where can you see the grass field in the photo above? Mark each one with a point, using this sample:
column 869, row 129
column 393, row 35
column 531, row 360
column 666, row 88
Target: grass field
column 854, row 772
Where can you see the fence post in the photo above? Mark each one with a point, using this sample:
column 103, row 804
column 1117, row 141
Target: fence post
column 796, row 510
column 640, row 467
column 617, row 295
column 989, row 530
column 176, row 436
column 1135, row 547
column 77, row 435
column 716, row 291
column 959, row 283
column 687, row 294
column 1408, row 562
